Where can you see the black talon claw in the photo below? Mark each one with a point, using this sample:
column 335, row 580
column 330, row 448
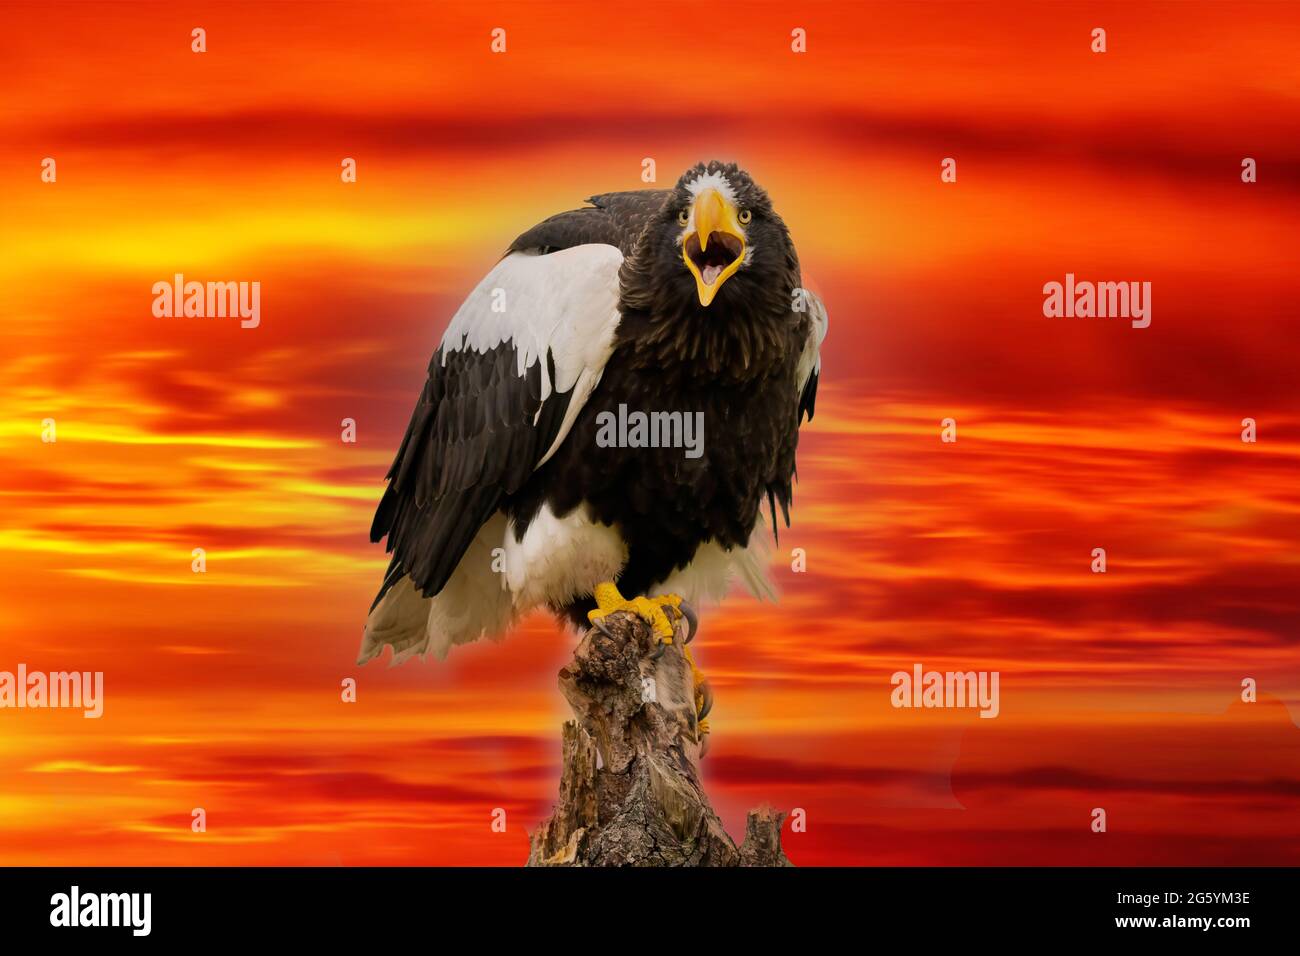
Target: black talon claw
column 707, row 692
column 692, row 619
column 658, row 652
column 599, row 624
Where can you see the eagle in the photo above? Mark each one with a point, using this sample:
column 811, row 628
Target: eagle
column 514, row 489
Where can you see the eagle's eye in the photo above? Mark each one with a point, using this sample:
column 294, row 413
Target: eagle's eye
column 683, row 217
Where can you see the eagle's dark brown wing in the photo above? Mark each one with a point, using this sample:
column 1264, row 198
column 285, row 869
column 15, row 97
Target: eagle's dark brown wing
column 615, row 219
column 497, row 398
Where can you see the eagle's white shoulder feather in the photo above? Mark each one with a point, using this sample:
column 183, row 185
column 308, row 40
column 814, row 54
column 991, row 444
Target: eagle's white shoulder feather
column 565, row 302
column 810, row 360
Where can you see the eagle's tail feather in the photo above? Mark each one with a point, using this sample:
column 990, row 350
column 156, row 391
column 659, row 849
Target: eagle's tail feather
column 399, row 619
column 473, row 603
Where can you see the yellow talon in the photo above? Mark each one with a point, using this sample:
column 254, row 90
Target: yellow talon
column 650, row 610
column 703, row 699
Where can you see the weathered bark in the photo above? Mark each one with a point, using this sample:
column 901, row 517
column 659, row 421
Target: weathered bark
column 630, row 792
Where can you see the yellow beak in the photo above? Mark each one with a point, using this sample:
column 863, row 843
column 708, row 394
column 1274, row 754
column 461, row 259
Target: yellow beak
column 715, row 248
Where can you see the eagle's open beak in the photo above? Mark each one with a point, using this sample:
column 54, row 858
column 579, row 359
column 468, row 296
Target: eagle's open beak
column 716, row 248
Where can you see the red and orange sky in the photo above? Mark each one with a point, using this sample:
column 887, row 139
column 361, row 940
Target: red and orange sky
column 1119, row 690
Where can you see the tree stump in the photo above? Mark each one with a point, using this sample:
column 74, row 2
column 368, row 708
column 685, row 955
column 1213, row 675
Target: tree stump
column 630, row 792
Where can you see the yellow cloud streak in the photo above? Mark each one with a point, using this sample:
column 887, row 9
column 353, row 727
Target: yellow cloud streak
column 120, row 435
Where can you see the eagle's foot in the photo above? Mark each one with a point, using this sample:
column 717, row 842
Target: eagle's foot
column 703, row 703
column 654, row 611
column 661, row 613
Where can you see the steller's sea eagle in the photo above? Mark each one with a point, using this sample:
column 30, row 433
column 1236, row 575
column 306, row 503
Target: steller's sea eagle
column 506, row 495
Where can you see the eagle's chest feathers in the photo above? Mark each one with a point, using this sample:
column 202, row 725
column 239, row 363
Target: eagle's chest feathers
column 671, row 461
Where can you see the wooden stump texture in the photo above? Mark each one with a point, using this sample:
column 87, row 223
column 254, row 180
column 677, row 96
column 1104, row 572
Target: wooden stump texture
column 630, row 792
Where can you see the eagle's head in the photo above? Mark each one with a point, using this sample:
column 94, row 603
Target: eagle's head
column 716, row 239
column 722, row 218
column 712, row 277
column 723, row 229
